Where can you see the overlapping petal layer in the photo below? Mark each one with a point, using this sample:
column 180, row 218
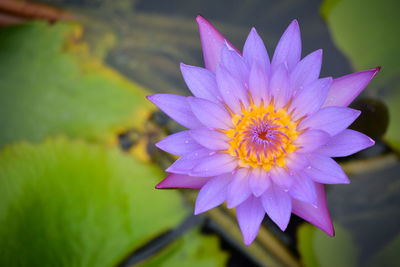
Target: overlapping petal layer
column 261, row 133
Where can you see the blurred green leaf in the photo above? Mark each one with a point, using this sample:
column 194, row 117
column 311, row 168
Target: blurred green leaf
column 69, row 203
column 51, row 85
column 305, row 245
column 318, row 249
column 367, row 32
column 193, row 249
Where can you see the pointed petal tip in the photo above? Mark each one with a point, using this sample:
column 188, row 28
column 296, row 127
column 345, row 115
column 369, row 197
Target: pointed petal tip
column 158, row 144
column 375, row 70
column 161, row 185
column 248, row 241
column 332, row 234
column 294, row 23
column 357, row 113
column 319, row 52
column 197, row 211
column 200, row 18
column 330, row 231
column 372, row 142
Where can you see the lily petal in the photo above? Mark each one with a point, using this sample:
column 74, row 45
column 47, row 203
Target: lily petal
column 232, row 89
column 316, row 214
column 215, row 164
column 238, row 189
column 303, row 188
column 210, row 114
column 174, row 180
column 259, row 181
column 211, row 41
column 187, row 162
column 311, row 140
column 346, row 88
column 250, row 215
column 279, row 86
column 212, row 194
column 281, row 177
column 311, row 98
column 332, row 120
column 258, row 84
column 278, row 205
column 210, row 139
column 177, row 107
column 325, row 170
column 306, row 71
column 345, row 144
column 288, row 50
column 178, row 144
column 254, row 52
column 235, row 63
column 201, row 82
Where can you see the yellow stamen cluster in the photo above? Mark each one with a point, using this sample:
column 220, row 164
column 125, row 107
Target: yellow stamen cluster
column 262, row 136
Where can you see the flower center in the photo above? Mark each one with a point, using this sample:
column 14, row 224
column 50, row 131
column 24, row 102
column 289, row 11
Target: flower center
column 262, row 136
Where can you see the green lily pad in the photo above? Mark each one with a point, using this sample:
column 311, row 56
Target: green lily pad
column 193, row 249
column 50, row 85
column 69, row 203
column 367, row 33
column 318, row 249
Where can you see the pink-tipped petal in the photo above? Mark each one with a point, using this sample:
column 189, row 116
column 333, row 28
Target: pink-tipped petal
column 177, row 108
column 316, row 214
column 254, row 52
column 306, row 71
column 232, row 89
column 288, row 50
column 210, row 139
column 215, row 164
column 346, row 88
column 278, row 206
column 212, row 194
column 185, row 163
column 311, row 98
column 311, row 140
column 259, row 181
column 279, row 86
column 303, row 188
column 210, row 114
column 258, row 84
column 234, row 63
column 211, row 41
column 325, row 170
column 346, row 143
column 201, row 82
column 174, row 180
column 332, row 120
column 281, row 177
column 178, row 144
column 250, row 215
column 238, row 189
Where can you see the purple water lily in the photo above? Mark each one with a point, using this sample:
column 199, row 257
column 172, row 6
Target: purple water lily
column 261, row 133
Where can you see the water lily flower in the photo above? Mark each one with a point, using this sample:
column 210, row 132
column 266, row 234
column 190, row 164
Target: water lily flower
column 262, row 133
